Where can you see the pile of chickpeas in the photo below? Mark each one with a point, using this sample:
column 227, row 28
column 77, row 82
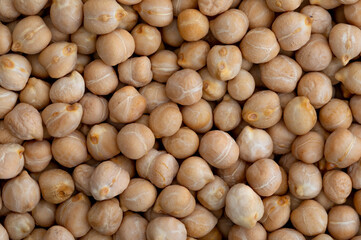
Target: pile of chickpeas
column 180, row 119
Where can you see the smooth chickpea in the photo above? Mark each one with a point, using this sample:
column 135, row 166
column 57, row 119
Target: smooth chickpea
column 164, row 64
column 213, row 89
column 214, row 7
column 8, row 101
column 257, row 232
column 337, row 186
column 284, row 183
column 155, row 95
column 56, row 35
column 130, row 19
column 286, row 161
column 184, row 143
column 180, row 5
column 354, row 103
column 324, row 201
column 225, row 225
column 321, row 19
column 357, row 201
column 160, row 123
column 44, row 214
column 127, row 229
column 285, row 98
column 343, row 222
column 108, row 50
column 66, row 15
column 352, row 13
column 29, row 8
column 69, row 89
column 349, row 76
column 81, row 176
column 6, row 39
column 355, row 128
column 234, row 174
column 354, row 172
column 95, row 109
column 36, row 93
column 167, row 227
column 19, row 225
column 36, row 234
column 242, row 86
column 227, row 114
column 108, row 180
column 158, row 14
column 292, row 29
column 135, row 71
column 37, row 155
column 304, row 180
column 13, row 160
column 58, row 233
column 8, row 11
column 335, row 114
column 105, row 216
column 277, row 211
column 94, row 235
column 282, row 138
column 147, row 39
column 213, row 195
column 6, row 137
column 198, row 116
column 193, row 55
column 14, row 72
column 171, row 35
column 84, row 40
column 286, row 234
column 126, row 164
column 309, row 147
column 37, row 70
column 258, row 13
column 192, row 25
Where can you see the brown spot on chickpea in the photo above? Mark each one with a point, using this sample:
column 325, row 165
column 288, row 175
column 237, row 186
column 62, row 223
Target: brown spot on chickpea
column 7, row 63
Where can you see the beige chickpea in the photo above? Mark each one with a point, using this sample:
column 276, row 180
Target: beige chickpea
column 192, row 25
column 285, row 98
column 354, row 172
column 356, row 201
column 37, row 155
column 213, row 89
column 29, row 8
column 257, row 232
column 322, row 237
column 101, row 142
column 102, row 17
column 95, row 109
column 126, row 105
column 62, row 119
column 213, row 195
column 66, row 15
column 309, row 147
column 19, row 225
column 321, row 18
column 281, row 137
column 242, row 86
column 227, row 114
column 21, row 194
column 58, row 233
column 254, row 144
column 171, row 35
column 94, row 235
column 69, row 89
column 56, row 35
column 176, row 201
column 337, row 186
column 36, row 93
column 234, row 174
column 259, row 45
column 198, row 116
column 219, row 149
column 164, row 64
column 30, row 35
column 194, row 173
column 262, row 109
column 100, row 78
column 214, row 7
column 200, row 222
column 299, row 115
column 342, row 40
column 286, row 234
column 180, row 5
column 193, row 55
column 8, row 11
column 355, row 128
column 6, row 39
column 44, row 214
column 56, row 185
column 81, row 61
column 335, row 114
column 166, row 227
column 292, row 29
column 286, row 161
column 105, row 216
column 277, row 211
column 8, row 101
column 135, row 71
column 139, row 196
column 258, row 13
column 214, row 234
column 224, row 61
column 349, row 76
column 324, row 201
column 130, row 19
column 332, row 68
column 304, row 180
column 6, row 137
column 343, row 222
column 243, row 206
column 147, row 39
column 108, row 50
column 127, row 229
column 84, row 40
column 354, row 103
column 184, row 143
column 154, row 94
column 159, row 121
column 14, row 72
column 13, row 160
column 225, row 225
column 155, row 13
column 108, row 180
column 24, row 122
column 126, row 164
column 284, row 183
column 352, row 13
column 280, row 6
column 36, row 234
column 81, row 176
column 37, row 70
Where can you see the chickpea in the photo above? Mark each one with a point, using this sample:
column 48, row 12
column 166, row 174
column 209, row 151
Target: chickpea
column 29, row 8
column 356, row 113
column 58, row 233
column 36, row 93
column 69, row 89
column 62, row 119
column 287, row 160
column 184, row 143
column 108, row 180
column 81, row 176
column 213, row 195
column 44, row 214
column 6, row 137
column 8, row 11
column 126, row 164
column 66, row 15
column 347, row 2
column 343, row 222
column 155, row 13
column 349, row 76
column 309, row 147
column 84, row 40
column 227, row 114
column 19, row 225
column 193, row 55
column 285, row 98
column 180, row 5
column 352, row 13
column 159, row 120
column 286, row 234
column 6, row 39
column 198, row 116
column 321, row 19
column 192, row 25
column 214, row 234
column 257, row 232
column 356, row 201
column 324, row 201
column 166, row 227
column 95, row 109
column 355, row 128
column 37, row 155
column 284, row 183
column 108, row 50
column 13, row 160
column 224, row 61
column 105, row 216
column 292, row 29
column 127, row 230
column 147, row 39
column 155, row 95
column 15, row 72
column 130, row 19
column 37, row 69
column 281, row 137
column 225, row 225
column 56, row 185
column 305, row 181
column 135, row 71
column 36, row 234
column 242, row 86
column 8, row 101
column 258, row 13
column 335, row 114
column 234, row 174
column 214, row 7
column 56, row 35
column 92, row 235
column 277, row 211
column 337, row 186
column 171, row 34
column 279, row 6
column 164, row 64
column 213, row 89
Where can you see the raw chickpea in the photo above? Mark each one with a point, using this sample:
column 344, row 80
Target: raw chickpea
column 37, row 69
column 281, row 74
column 355, row 128
column 213, row 89
column 36, row 234
column 135, row 71
column 130, row 19
column 262, row 109
column 37, row 155
column 127, row 229
column 84, row 40
column 304, row 180
column 102, row 17
column 14, row 71
column 321, row 19
column 292, row 29
column 234, row 174
column 242, row 86
column 6, row 137
column 277, row 210
column 281, row 137
column 194, row 173
column 259, row 45
column 126, row 105
column 176, row 201
column 126, row 164
column 62, row 119
column 343, row 222
column 213, row 195
column 155, row 13
column 147, row 39
column 280, row 6
column 224, row 61
column 58, row 233
column 219, row 149
column 67, row 15
column 258, row 13
column 6, row 39
column 44, row 214
column 287, row 160
column 180, row 5
column 81, row 61
column 337, row 186
column 357, row 201
column 285, row 98
column 352, row 13
column 69, row 89
column 238, row 232
column 193, row 55
column 8, row 11
column 192, row 25
column 56, row 35
column 105, row 216
column 24, row 122
column 335, row 114
column 95, row 109
column 286, row 234
column 324, row 201
column 94, row 235
column 154, row 94
column 349, row 76
column 309, row 147
column 171, row 35
column 12, row 160
column 227, row 114
column 108, row 50
column 184, row 143
column 254, row 144
column 29, row 8
column 108, row 180
column 243, row 206
column 160, row 123
column 214, row 234
column 343, row 42
column 200, row 222
column 19, row 225
column 198, row 116
column 354, row 103
column 214, row 7
column 354, row 171
column 36, row 93
column 347, row 2
column 284, row 183
column 100, row 78
column 167, row 228
column 225, row 225
column 299, row 115
column 164, row 64
column 81, row 176
column 8, row 101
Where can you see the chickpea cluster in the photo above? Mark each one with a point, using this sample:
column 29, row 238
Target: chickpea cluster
column 180, row 119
